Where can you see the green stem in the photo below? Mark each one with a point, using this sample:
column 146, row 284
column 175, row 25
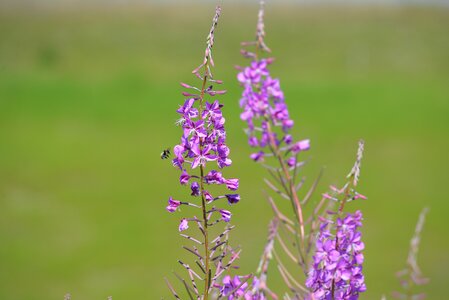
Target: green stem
column 340, row 211
column 203, row 200
column 206, row 238
column 345, row 196
column 293, row 194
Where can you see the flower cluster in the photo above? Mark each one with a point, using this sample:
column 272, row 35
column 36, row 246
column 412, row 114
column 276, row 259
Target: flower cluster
column 236, row 288
column 264, row 106
column 204, row 137
column 203, row 140
column 337, row 263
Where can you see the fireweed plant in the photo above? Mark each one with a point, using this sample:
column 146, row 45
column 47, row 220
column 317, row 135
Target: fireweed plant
column 200, row 156
column 268, row 128
column 326, row 247
column 411, row 277
column 336, row 271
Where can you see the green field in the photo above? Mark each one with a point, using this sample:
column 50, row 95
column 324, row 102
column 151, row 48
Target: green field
column 88, row 99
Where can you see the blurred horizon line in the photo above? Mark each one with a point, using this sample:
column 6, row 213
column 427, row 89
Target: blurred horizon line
column 57, row 4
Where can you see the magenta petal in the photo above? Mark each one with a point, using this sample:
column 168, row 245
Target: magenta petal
column 183, row 225
column 196, row 162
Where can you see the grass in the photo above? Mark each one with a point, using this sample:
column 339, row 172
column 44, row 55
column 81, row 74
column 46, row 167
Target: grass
column 87, row 101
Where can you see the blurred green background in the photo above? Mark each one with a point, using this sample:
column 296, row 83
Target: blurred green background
column 87, row 103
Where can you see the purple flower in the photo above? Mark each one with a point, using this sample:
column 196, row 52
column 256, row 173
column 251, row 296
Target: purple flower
column 288, row 139
column 233, row 198
column 173, row 205
column 195, row 187
column 202, row 155
column 359, row 196
column 225, row 215
column 184, row 178
column 301, row 146
column 291, row 161
column 195, row 128
column 232, row 287
column 223, row 151
column 232, row 184
column 287, row 124
column 208, row 196
column 183, row 225
column 179, row 160
column 337, row 263
column 213, row 111
column 224, row 162
column 214, row 177
column 258, row 156
column 187, row 110
column 253, row 142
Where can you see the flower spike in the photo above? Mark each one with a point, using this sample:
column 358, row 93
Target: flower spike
column 201, row 151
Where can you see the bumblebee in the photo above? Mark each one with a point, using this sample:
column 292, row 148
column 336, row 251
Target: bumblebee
column 165, row 153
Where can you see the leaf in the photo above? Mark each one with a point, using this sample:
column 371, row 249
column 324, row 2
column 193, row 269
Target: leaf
column 275, row 189
column 193, row 252
column 313, row 187
column 170, row 287
column 191, row 239
column 187, row 287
